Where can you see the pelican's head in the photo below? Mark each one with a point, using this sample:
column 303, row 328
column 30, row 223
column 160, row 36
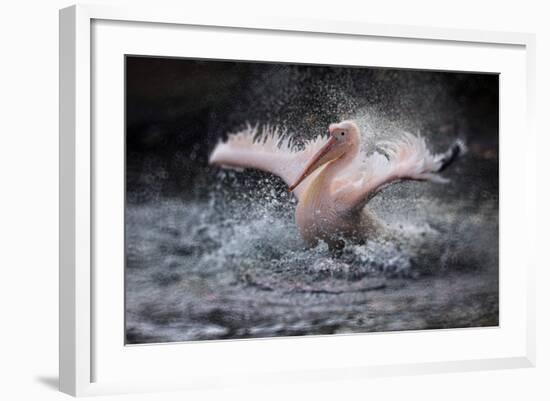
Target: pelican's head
column 343, row 141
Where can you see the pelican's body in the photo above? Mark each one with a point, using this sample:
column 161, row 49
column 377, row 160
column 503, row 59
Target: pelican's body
column 331, row 178
column 319, row 217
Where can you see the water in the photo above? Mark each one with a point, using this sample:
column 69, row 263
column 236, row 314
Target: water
column 230, row 263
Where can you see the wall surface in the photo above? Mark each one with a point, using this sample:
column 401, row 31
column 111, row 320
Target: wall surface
column 29, row 201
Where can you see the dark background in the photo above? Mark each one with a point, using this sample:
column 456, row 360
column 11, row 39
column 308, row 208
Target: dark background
column 177, row 109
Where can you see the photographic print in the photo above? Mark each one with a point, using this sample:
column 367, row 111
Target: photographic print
column 268, row 199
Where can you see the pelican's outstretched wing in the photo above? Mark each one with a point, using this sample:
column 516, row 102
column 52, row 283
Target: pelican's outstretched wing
column 405, row 158
column 268, row 149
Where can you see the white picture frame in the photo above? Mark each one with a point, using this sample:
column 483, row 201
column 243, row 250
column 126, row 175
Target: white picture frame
column 79, row 344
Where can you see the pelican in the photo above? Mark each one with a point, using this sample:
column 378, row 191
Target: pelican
column 332, row 179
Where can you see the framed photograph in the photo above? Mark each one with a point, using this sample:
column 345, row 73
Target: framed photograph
column 260, row 200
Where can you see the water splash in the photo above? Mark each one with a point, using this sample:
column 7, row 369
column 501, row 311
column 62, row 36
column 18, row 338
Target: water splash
column 214, row 254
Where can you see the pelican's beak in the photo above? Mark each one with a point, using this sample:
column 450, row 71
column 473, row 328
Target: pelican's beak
column 324, row 155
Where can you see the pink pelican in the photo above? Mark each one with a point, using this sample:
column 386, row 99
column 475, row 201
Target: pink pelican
column 331, row 177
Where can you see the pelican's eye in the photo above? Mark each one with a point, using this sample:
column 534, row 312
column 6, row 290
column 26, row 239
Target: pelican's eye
column 342, row 133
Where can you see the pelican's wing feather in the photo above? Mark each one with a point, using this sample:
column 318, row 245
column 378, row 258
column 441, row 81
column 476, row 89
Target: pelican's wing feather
column 406, row 157
column 268, row 149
